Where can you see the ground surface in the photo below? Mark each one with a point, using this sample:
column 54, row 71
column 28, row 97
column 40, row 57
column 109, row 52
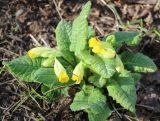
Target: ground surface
column 21, row 19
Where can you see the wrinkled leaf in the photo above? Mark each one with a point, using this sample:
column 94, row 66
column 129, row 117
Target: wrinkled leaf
column 104, row 68
column 31, row 70
column 97, row 80
column 138, row 62
column 118, row 38
column 63, row 33
column 91, row 32
column 80, row 30
column 93, row 102
column 136, row 77
column 122, row 89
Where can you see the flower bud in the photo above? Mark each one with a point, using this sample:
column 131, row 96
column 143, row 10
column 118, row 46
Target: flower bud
column 119, row 64
column 78, row 73
column 60, row 72
column 42, row 52
column 103, row 49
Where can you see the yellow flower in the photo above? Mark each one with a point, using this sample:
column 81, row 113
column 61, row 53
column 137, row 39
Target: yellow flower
column 78, row 73
column 119, row 64
column 42, row 52
column 60, row 72
column 97, row 49
column 93, row 41
column 32, row 54
column 63, row 77
column 103, row 49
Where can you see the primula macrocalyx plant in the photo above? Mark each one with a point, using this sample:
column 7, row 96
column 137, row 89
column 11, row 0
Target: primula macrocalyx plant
column 93, row 64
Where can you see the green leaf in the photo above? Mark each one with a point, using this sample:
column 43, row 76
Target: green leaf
column 138, row 62
column 31, row 70
column 85, row 10
column 97, row 80
column 23, row 67
column 130, row 38
column 46, row 76
column 80, row 30
column 93, row 102
column 110, row 39
column 79, row 34
column 122, row 89
column 104, row 68
column 52, row 94
column 63, row 33
column 136, row 77
column 91, row 32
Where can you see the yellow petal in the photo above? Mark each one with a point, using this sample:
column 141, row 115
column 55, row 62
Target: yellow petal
column 102, row 48
column 31, row 54
column 42, row 52
column 60, row 72
column 93, row 42
column 63, row 77
column 78, row 73
column 97, row 49
column 76, row 78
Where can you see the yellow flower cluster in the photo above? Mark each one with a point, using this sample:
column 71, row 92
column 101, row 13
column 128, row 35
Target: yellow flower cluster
column 61, row 73
column 48, row 53
column 102, row 48
column 106, row 50
column 41, row 52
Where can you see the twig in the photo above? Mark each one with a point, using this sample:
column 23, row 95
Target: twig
column 3, row 108
column 35, row 102
column 25, row 107
column 20, row 103
column 130, row 117
column 34, row 40
column 60, row 87
column 14, row 106
column 45, row 43
column 8, row 82
column 57, row 9
column 97, row 27
column 8, row 51
column 156, row 117
column 145, row 106
column 112, row 8
column 15, row 38
column 116, row 111
column 157, row 6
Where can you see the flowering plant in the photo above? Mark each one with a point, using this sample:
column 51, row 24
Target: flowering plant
column 92, row 64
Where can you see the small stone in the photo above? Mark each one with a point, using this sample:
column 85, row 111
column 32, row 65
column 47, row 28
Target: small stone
column 153, row 95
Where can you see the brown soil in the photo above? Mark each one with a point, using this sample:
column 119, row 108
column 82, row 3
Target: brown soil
column 20, row 18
